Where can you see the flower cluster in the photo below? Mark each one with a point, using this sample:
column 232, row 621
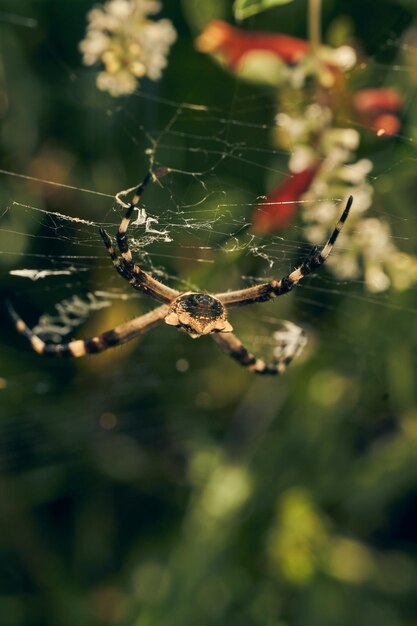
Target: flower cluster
column 272, row 58
column 129, row 45
column 322, row 167
column 326, row 172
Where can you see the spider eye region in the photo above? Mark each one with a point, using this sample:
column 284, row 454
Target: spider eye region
column 198, row 314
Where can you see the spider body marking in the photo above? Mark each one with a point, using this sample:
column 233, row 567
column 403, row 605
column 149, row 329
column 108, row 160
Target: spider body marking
column 197, row 313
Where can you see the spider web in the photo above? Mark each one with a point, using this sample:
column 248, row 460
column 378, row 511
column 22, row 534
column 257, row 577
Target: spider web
column 194, row 229
column 153, row 449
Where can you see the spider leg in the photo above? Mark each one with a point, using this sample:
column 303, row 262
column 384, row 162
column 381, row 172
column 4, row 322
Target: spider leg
column 118, row 262
column 80, row 347
column 121, row 236
column 230, row 344
column 137, row 278
column 268, row 291
column 140, row 280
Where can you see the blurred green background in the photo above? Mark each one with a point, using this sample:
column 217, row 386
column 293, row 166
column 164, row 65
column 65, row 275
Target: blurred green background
column 160, row 484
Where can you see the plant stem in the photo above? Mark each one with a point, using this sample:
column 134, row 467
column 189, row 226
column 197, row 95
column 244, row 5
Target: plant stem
column 314, row 24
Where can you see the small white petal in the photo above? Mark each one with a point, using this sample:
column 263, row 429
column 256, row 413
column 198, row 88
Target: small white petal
column 348, row 138
column 344, row 264
column 357, row 172
column 376, row 279
column 343, row 57
column 120, row 84
column 301, row 158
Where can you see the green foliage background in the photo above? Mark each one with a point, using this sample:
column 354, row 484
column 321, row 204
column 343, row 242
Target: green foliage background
column 217, row 498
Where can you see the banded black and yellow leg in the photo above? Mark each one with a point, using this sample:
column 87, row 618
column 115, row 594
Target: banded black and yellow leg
column 121, row 236
column 80, row 347
column 139, row 279
column 316, row 258
column 232, row 346
column 268, row 291
column 117, row 261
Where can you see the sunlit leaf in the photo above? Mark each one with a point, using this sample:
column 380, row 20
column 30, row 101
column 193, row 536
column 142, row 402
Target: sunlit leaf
column 246, row 8
column 199, row 13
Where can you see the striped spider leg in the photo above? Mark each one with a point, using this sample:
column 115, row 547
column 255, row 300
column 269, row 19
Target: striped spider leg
column 80, row 347
column 290, row 343
column 124, row 264
column 197, row 314
column 264, row 292
column 274, row 288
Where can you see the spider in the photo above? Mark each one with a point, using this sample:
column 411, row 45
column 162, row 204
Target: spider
column 197, row 314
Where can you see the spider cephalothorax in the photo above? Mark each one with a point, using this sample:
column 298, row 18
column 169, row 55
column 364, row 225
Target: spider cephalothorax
column 198, row 314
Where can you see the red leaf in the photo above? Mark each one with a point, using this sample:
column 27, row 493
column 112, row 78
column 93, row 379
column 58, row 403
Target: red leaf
column 233, row 43
column 377, row 107
column 377, row 100
column 278, row 209
column 386, row 125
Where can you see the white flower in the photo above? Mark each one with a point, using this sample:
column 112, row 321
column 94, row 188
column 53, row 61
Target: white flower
column 344, row 264
column 363, row 195
column 365, row 248
column 155, row 42
column 347, row 138
column 129, row 45
column 119, row 84
column 322, row 66
column 295, row 128
column 316, row 233
column 94, row 46
column 302, row 157
column 321, row 212
column 343, row 57
column 355, row 173
column 402, row 269
column 376, row 279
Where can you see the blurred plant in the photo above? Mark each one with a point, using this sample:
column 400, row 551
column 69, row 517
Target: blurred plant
column 302, row 543
column 127, row 43
column 287, row 59
column 298, row 538
column 322, row 167
column 246, row 8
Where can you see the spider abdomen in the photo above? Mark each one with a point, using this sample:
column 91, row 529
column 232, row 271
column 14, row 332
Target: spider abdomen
column 198, row 314
column 201, row 304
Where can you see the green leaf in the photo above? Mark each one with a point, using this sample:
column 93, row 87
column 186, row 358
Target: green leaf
column 200, row 12
column 246, row 8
